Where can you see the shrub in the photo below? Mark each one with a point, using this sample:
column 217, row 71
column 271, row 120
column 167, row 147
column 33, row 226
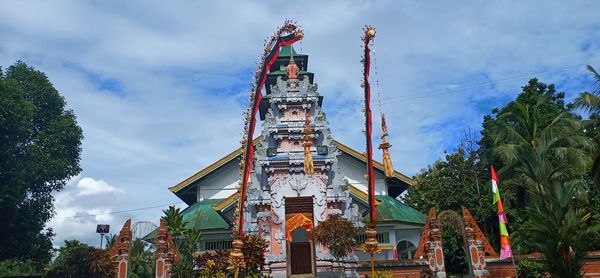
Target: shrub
column 530, row 269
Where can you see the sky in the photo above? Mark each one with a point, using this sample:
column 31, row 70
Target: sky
column 159, row 87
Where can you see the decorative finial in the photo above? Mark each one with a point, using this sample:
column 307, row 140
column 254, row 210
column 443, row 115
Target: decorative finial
column 308, row 161
column 299, row 34
column 292, row 69
column 369, row 33
column 384, row 131
column 388, row 167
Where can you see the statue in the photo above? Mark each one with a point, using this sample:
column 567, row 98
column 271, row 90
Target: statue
column 292, row 69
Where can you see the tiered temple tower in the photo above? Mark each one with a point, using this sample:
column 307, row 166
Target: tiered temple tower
column 285, row 202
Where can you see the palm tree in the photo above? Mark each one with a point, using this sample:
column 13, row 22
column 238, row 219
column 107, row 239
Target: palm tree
column 186, row 242
column 560, row 230
column 590, row 102
column 547, row 159
column 141, row 259
column 110, row 241
column 537, row 154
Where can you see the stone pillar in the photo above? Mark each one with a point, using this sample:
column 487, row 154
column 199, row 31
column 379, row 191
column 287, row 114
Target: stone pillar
column 165, row 251
column 119, row 253
column 475, row 246
column 430, row 245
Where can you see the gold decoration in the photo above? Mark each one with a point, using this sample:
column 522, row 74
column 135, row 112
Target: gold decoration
column 369, row 32
column 371, row 246
column 388, row 167
column 309, row 168
column 236, row 257
column 299, row 34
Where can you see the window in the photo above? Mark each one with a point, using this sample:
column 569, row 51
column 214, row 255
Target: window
column 217, row 245
column 405, row 249
column 381, row 238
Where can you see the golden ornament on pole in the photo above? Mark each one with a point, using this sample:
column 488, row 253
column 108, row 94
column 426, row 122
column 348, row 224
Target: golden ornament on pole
column 370, row 33
column 388, row 167
column 371, row 246
column 236, row 257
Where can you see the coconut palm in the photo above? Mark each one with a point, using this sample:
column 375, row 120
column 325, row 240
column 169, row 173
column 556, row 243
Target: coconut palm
column 590, row 102
column 141, row 259
column 186, row 242
column 110, row 241
column 560, row 230
column 537, row 154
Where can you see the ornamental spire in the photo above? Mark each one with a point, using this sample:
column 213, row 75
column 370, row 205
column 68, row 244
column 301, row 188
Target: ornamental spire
column 308, row 161
column 388, row 167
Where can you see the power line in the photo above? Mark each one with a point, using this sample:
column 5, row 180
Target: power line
column 119, row 211
column 467, row 86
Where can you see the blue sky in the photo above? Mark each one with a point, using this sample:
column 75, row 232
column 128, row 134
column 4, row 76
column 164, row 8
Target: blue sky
column 159, row 87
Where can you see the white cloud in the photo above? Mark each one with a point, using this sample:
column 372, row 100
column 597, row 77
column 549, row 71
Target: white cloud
column 89, row 186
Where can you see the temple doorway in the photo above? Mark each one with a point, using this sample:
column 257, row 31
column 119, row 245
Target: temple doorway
column 298, row 226
column 300, row 252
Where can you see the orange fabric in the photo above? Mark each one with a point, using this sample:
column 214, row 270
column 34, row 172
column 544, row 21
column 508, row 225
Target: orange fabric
column 296, row 221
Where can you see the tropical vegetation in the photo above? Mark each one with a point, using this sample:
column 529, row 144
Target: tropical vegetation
column 40, row 148
column 548, row 161
column 77, row 259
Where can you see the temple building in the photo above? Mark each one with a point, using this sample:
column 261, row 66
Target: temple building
column 286, row 200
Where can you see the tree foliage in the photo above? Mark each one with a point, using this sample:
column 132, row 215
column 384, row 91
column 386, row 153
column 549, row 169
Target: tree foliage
column 77, row 259
column 338, row 234
column 215, row 263
column 186, row 242
column 560, row 230
column 40, row 146
column 453, row 237
column 254, row 252
column 141, row 259
column 20, row 268
column 590, row 102
column 543, row 152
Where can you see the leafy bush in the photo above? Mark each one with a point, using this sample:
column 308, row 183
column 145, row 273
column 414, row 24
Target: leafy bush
column 338, row 234
column 530, row 269
column 78, row 259
column 383, row 274
column 20, row 268
column 254, row 252
column 214, row 263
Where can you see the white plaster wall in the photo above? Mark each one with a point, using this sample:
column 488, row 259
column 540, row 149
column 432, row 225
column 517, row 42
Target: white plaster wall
column 219, row 184
column 397, row 233
column 355, row 171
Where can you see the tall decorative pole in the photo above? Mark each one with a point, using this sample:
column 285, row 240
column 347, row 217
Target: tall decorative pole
column 287, row 35
column 371, row 245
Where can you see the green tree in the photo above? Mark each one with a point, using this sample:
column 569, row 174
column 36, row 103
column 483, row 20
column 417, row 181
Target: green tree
column 77, row 259
column 532, row 140
column 453, row 237
column 452, row 183
column 560, row 230
column 590, row 102
column 186, row 242
column 338, row 234
column 40, row 146
column 459, row 180
column 110, row 241
column 141, row 259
